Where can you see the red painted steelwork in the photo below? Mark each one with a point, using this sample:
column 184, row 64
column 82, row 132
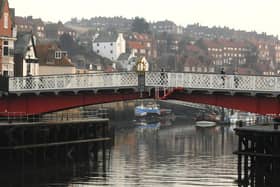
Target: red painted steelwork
column 255, row 104
column 32, row 105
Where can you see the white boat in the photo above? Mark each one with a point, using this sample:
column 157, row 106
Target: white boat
column 246, row 117
column 144, row 110
column 205, row 124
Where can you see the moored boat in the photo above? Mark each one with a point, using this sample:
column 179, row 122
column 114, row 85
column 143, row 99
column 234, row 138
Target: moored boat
column 149, row 109
column 205, row 124
column 206, row 119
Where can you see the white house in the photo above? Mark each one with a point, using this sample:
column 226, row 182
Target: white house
column 109, row 45
column 26, row 60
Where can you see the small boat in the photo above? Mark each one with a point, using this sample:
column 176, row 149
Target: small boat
column 206, row 119
column 149, row 109
column 246, row 117
column 205, row 124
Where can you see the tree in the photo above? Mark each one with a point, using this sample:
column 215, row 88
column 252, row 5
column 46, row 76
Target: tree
column 140, row 25
column 199, row 43
column 67, row 43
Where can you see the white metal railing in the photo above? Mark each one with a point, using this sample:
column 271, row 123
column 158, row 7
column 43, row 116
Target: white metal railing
column 214, row 81
column 201, row 81
column 71, row 82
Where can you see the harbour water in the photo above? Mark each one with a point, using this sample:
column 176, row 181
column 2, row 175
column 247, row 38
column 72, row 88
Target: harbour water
column 177, row 155
column 170, row 153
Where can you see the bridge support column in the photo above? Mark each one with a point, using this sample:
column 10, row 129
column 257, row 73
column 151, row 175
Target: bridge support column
column 258, row 155
column 141, row 83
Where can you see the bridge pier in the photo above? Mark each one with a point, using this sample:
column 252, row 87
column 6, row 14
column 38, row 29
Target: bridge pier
column 45, row 155
column 25, row 140
column 258, row 154
column 38, row 167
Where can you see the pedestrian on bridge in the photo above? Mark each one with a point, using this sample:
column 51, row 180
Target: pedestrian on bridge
column 223, row 76
column 235, row 79
column 163, row 77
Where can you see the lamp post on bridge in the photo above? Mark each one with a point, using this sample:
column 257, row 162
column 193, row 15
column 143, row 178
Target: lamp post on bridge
column 29, row 60
column 141, row 68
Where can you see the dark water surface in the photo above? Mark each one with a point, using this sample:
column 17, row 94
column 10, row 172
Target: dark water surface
column 178, row 155
column 171, row 153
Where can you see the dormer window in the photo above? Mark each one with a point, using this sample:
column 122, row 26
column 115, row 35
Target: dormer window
column 6, row 20
column 59, row 54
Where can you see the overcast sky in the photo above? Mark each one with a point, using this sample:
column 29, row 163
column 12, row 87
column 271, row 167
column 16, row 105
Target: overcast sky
column 259, row 15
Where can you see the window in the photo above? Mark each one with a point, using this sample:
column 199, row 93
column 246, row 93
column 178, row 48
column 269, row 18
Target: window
column 57, row 55
column 142, row 51
column 5, row 48
column 28, row 69
column 6, row 20
column 60, row 54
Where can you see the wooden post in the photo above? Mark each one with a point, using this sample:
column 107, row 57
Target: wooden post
column 246, row 164
column 239, row 161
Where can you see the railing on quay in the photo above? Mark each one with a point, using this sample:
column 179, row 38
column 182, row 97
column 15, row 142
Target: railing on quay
column 20, row 117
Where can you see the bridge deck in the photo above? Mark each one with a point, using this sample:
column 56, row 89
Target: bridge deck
column 257, row 94
column 131, row 80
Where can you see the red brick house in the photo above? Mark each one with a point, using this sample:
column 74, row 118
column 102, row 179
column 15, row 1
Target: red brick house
column 141, row 45
column 29, row 24
column 226, row 52
column 55, row 30
column 7, row 38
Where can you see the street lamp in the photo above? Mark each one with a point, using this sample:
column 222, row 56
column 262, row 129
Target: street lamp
column 28, row 61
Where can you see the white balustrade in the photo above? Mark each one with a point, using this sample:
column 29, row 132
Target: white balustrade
column 199, row 81
column 72, row 82
column 204, row 81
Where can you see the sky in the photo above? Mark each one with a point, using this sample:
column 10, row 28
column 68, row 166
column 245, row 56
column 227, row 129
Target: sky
column 249, row 15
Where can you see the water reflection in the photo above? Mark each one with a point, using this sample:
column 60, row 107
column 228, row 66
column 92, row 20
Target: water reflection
column 166, row 152
column 179, row 155
column 60, row 166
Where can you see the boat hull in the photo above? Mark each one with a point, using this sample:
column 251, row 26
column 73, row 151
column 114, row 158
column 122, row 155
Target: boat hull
column 205, row 124
column 144, row 111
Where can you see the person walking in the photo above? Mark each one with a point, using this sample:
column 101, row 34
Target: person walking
column 236, row 80
column 223, row 76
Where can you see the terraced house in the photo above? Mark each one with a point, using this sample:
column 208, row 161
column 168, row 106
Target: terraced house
column 7, row 39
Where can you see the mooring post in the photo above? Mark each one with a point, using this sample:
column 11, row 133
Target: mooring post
column 239, row 161
column 240, row 123
column 275, row 125
column 246, row 164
